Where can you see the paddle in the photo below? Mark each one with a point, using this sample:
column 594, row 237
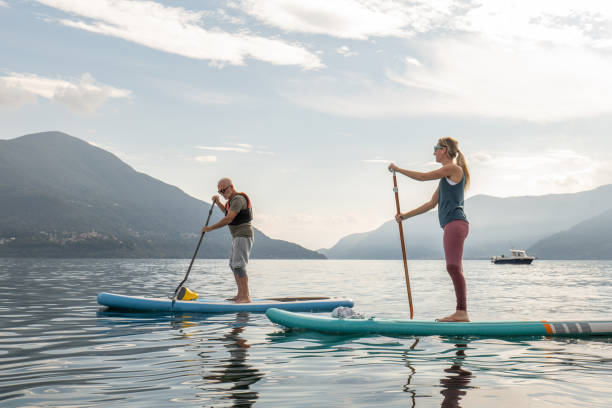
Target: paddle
column 401, row 231
column 213, row 205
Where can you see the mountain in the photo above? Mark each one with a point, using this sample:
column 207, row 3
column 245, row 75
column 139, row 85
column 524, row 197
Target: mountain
column 590, row 239
column 423, row 241
column 61, row 196
column 496, row 224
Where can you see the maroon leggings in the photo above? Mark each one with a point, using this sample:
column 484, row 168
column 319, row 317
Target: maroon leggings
column 455, row 233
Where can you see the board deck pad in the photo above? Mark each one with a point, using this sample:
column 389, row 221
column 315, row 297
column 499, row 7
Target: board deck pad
column 147, row 304
column 333, row 325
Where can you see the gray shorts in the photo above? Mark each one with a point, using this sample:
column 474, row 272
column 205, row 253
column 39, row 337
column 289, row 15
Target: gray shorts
column 241, row 249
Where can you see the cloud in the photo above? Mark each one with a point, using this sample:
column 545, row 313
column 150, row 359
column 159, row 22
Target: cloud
column 552, row 171
column 224, row 149
column 537, row 61
column 413, row 61
column 472, row 78
column 179, row 31
column 377, row 160
column 345, row 51
column 479, row 158
column 587, row 23
column 238, row 148
column 12, row 96
column 554, row 21
column 206, row 159
column 354, row 19
column 84, row 96
column 3, row 4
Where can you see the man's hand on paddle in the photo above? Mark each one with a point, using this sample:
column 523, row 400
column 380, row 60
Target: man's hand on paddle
column 393, row 167
column 398, row 217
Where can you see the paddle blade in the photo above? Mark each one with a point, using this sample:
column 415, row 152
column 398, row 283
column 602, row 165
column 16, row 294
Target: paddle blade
column 185, row 294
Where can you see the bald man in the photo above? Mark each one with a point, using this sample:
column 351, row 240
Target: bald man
column 238, row 216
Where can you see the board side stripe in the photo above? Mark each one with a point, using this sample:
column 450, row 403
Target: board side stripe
column 549, row 329
column 559, row 328
column 573, row 328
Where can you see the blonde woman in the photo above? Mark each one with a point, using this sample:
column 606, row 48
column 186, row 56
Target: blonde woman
column 454, row 180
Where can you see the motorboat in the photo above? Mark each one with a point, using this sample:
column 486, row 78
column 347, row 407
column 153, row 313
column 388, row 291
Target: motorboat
column 517, row 256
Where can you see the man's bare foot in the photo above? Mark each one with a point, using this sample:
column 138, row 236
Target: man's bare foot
column 458, row 316
column 243, row 300
column 233, row 299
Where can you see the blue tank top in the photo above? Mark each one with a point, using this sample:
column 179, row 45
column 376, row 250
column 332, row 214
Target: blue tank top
column 450, row 201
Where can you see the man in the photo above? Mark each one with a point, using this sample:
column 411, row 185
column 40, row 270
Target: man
column 238, row 216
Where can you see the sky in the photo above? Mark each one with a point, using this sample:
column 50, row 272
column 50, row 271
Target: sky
column 305, row 103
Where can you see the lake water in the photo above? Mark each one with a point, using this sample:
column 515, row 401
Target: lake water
column 58, row 348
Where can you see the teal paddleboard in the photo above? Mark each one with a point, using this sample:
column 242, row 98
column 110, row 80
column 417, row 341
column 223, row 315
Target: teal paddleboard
column 333, row 325
column 148, row 304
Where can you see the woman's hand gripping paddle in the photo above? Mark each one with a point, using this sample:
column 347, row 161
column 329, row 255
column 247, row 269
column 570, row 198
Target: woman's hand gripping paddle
column 401, row 231
column 213, row 205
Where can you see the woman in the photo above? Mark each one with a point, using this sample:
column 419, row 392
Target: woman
column 454, row 180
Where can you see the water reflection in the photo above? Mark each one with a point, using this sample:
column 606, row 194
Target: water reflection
column 235, row 371
column 407, row 386
column 454, row 386
column 212, row 348
column 457, row 383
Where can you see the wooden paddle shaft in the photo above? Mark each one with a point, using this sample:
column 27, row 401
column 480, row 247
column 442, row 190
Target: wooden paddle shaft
column 401, row 231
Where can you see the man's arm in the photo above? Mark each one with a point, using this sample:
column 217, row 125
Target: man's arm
column 221, row 206
column 222, row 222
column 215, row 200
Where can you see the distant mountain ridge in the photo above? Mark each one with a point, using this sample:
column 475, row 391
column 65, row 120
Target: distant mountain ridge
column 590, row 239
column 496, row 225
column 61, row 196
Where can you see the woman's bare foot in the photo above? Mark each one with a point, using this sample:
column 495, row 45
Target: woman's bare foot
column 243, row 300
column 458, row 316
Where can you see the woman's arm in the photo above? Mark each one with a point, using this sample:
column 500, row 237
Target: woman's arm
column 448, row 170
column 419, row 210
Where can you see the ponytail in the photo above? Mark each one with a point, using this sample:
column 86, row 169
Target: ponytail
column 461, row 162
column 452, row 149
